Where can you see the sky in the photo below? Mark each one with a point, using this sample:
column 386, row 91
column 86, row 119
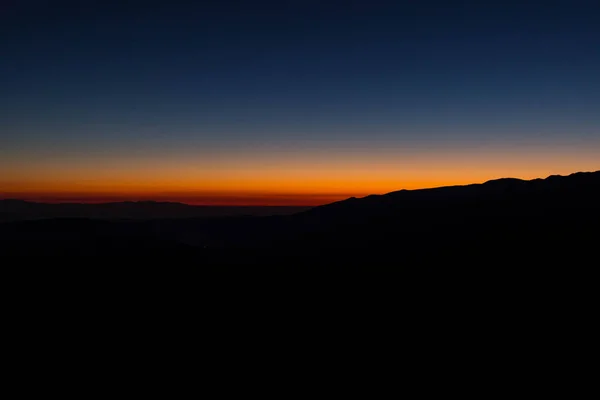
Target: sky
column 291, row 102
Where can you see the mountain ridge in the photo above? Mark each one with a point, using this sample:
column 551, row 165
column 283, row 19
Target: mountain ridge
column 493, row 184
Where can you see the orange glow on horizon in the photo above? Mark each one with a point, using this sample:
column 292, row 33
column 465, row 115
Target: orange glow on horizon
column 278, row 178
column 298, row 193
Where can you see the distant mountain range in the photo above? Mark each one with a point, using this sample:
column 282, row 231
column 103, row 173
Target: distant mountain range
column 12, row 210
column 510, row 223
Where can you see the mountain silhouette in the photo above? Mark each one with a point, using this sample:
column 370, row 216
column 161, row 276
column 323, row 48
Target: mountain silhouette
column 500, row 194
column 499, row 218
column 508, row 223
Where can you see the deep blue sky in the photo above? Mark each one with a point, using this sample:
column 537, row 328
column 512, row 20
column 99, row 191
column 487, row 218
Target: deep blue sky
column 120, row 77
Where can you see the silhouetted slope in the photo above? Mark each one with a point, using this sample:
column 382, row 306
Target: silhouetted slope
column 501, row 195
column 505, row 219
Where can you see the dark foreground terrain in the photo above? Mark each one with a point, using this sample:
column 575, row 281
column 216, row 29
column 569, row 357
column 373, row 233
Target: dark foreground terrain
column 506, row 223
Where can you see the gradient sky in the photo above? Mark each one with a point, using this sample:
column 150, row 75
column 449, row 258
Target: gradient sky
column 291, row 101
